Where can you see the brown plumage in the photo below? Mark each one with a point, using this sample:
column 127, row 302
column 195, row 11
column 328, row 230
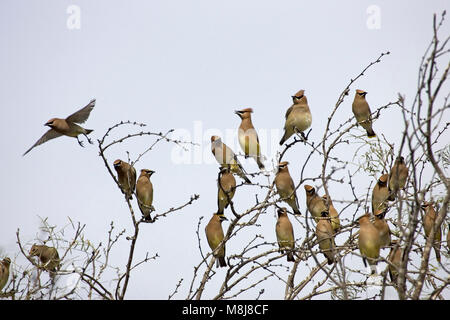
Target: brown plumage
column 325, row 237
column 395, row 257
column 362, row 113
column 48, row 256
column 383, row 228
column 285, row 234
column 428, row 222
column 4, row 272
column 380, row 194
column 214, row 235
column 298, row 117
column 144, row 193
column 369, row 241
column 314, row 203
column 225, row 156
column 397, row 177
column 335, row 221
column 67, row 127
column 126, row 176
column 285, row 187
column 248, row 138
column 226, row 186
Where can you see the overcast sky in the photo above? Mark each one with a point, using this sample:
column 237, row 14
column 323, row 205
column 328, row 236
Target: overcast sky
column 182, row 65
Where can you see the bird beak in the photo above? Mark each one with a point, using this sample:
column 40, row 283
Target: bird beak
column 223, row 218
column 239, row 113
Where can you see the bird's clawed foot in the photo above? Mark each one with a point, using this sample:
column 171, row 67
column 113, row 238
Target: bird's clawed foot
column 80, row 142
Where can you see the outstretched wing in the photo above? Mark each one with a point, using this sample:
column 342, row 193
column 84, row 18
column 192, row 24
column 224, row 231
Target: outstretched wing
column 83, row 114
column 50, row 134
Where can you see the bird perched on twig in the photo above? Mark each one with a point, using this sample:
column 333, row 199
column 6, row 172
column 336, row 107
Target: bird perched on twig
column 248, row 138
column 144, row 193
column 226, row 187
column 225, row 156
column 298, row 117
column 428, row 222
column 369, row 242
column 324, row 234
column 383, row 228
column 214, row 235
column 362, row 113
column 334, row 216
column 380, row 194
column 67, row 127
column 285, row 186
column 126, row 176
column 397, row 176
column 48, row 256
column 314, row 203
column 285, row 234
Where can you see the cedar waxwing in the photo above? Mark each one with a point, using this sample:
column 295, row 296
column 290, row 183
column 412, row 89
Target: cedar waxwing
column 67, row 127
column 226, row 188
column 397, row 176
column 361, row 110
column 369, row 241
column 395, row 257
column 383, row 228
column 48, row 256
column 380, row 194
column 335, row 222
column 126, row 175
column 428, row 222
column 248, row 138
column 4, row 272
column 285, row 234
column 225, row 156
column 298, row 117
column 214, row 234
column 324, row 233
column 314, row 203
column 286, row 187
column 144, row 193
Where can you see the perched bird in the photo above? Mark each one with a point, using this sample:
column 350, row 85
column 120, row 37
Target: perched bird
column 214, row 234
column 397, row 176
column 395, row 258
column 67, row 127
column 285, row 186
column 380, row 194
column 298, row 117
column 428, row 222
column 48, row 256
column 248, row 138
column 335, row 222
column 314, row 203
column 126, row 175
column 226, row 187
column 324, row 234
column 369, row 241
column 225, row 156
column 4, row 272
column 144, row 193
column 383, row 228
column 362, row 113
column 285, row 234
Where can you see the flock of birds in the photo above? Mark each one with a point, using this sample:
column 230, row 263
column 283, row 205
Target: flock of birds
column 372, row 235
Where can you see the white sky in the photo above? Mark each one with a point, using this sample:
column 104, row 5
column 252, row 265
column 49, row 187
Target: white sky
column 169, row 64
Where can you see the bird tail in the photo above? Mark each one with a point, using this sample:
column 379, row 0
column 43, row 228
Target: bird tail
column 284, row 138
column 370, row 133
column 222, row 262
column 290, row 257
column 260, row 164
column 438, row 253
column 88, row 131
